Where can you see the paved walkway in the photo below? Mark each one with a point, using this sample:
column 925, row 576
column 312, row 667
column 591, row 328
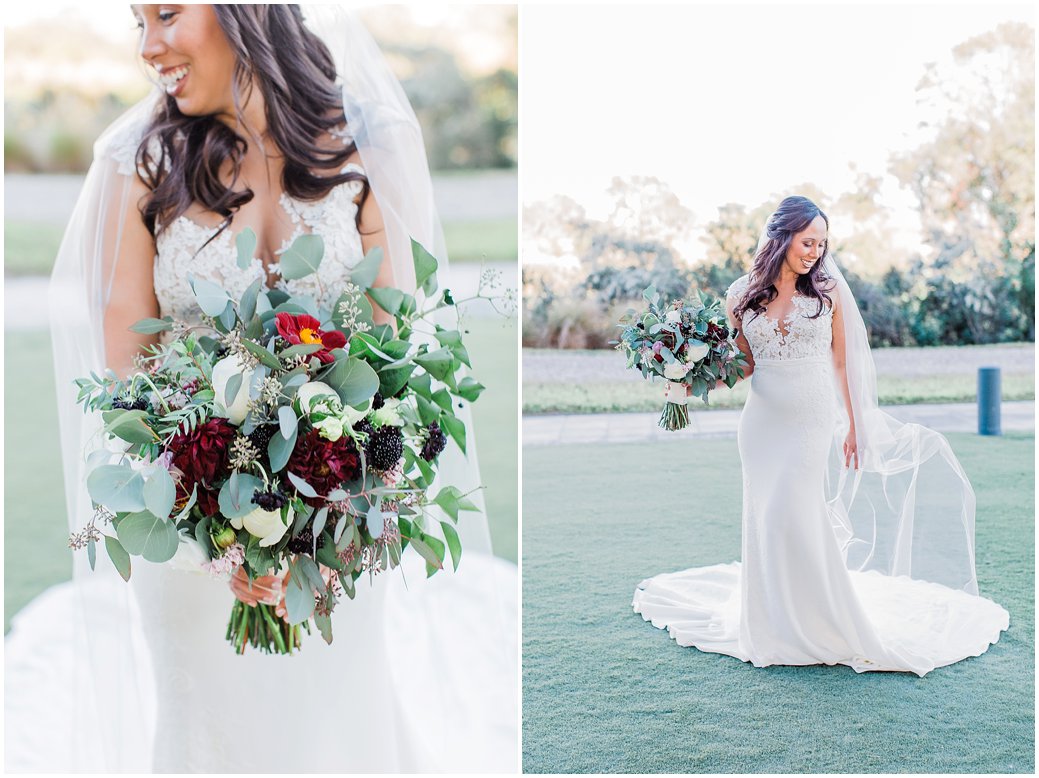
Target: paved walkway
column 642, row 427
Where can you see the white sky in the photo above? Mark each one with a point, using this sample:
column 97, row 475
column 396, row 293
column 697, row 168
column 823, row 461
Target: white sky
column 728, row 103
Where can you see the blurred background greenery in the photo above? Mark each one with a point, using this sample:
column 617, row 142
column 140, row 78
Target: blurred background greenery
column 972, row 177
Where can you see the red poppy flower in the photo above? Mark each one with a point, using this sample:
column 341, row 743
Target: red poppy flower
column 302, row 328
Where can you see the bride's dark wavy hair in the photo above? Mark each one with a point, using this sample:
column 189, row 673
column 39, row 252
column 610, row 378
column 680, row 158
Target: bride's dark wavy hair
column 792, row 216
column 296, row 75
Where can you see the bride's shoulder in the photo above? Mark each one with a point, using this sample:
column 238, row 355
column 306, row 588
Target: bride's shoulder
column 739, row 286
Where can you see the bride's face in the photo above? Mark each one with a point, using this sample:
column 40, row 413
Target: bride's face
column 807, row 247
column 191, row 55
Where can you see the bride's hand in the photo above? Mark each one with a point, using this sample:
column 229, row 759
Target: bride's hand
column 265, row 588
column 851, row 449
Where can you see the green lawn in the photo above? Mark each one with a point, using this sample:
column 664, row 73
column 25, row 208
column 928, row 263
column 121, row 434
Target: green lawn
column 604, row 691
column 30, row 248
column 626, row 396
column 492, row 240
column 35, row 532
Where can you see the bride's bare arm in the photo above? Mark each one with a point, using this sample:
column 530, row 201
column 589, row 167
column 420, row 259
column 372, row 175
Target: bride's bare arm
column 131, row 295
column 840, row 370
column 741, row 339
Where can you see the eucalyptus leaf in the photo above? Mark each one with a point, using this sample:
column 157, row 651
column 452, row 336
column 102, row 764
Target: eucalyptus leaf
column 234, row 383
column 299, row 601
column 160, row 493
column 211, row 298
column 245, row 243
column 152, row 326
column 236, row 495
column 120, row 559
column 354, row 380
column 287, row 422
column 247, row 307
column 375, row 520
column 303, row 257
column 279, row 450
column 117, row 487
column 367, row 270
column 145, row 534
column 301, row 486
column 91, row 552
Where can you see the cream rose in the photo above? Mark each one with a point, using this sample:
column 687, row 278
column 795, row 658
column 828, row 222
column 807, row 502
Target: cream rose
column 266, row 525
column 675, row 371
column 696, row 351
column 222, row 373
column 673, row 316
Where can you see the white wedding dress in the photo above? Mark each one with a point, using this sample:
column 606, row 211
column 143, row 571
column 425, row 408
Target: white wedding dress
column 421, row 676
column 792, row 599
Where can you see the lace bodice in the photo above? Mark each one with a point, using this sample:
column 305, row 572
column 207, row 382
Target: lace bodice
column 805, row 336
column 179, row 249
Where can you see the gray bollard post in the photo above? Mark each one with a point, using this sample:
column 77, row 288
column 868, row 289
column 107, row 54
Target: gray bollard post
column 988, row 401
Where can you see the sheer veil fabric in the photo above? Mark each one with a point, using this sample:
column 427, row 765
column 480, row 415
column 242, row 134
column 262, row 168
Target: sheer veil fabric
column 900, row 564
column 447, row 671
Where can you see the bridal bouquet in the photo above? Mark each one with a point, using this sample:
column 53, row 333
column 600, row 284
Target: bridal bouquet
column 290, row 447
column 688, row 343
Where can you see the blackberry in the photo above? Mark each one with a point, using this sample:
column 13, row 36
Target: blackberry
column 385, row 448
column 261, row 436
column 269, row 501
column 303, row 543
column 365, row 427
column 377, row 402
column 436, row 443
column 130, row 404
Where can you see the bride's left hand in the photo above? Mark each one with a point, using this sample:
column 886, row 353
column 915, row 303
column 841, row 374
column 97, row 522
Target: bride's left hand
column 851, row 449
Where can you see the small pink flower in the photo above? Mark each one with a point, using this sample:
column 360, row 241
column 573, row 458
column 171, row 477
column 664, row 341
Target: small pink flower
column 228, row 563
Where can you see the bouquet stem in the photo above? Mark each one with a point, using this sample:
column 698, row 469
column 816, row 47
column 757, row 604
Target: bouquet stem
column 676, row 414
column 260, row 627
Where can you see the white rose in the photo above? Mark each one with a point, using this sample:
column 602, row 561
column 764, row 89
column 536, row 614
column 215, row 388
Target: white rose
column 696, row 352
column 330, row 427
column 222, row 373
column 675, row 371
column 266, row 525
column 190, row 555
column 673, row 316
column 353, row 415
column 310, row 391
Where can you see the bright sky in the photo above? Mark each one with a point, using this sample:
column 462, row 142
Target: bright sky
column 728, row 103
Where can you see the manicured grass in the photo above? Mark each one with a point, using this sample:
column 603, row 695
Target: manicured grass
column 492, row 240
column 620, row 397
column 30, row 248
column 605, row 691
column 35, row 530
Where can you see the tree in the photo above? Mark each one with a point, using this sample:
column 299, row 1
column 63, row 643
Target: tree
column 974, row 178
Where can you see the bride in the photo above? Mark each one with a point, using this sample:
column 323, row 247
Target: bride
column 249, row 128
column 858, row 531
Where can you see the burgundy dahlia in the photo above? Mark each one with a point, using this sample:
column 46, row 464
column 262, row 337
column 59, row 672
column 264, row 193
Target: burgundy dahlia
column 201, row 456
column 324, row 464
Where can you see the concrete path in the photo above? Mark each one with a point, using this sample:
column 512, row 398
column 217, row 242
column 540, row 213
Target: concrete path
column 555, row 430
